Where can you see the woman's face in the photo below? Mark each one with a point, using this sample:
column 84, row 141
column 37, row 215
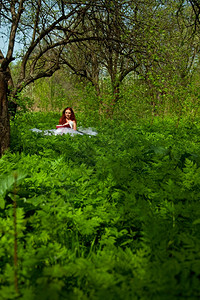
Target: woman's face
column 68, row 114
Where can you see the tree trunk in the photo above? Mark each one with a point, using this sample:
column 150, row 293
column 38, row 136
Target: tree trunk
column 4, row 116
column 115, row 99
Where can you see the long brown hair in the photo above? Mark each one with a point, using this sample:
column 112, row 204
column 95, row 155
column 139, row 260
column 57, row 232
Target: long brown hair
column 63, row 118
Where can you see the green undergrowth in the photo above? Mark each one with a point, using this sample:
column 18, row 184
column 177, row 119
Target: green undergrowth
column 112, row 216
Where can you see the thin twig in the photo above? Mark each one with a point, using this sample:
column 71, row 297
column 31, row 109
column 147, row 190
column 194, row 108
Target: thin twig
column 15, row 233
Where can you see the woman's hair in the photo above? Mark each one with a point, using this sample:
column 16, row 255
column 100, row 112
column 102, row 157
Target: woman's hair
column 63, row 118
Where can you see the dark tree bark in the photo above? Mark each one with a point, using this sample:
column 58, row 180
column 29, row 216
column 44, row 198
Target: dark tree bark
column 12, row 106
column 4, row 116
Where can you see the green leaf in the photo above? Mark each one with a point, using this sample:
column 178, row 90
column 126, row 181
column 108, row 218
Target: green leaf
column 197, row 221
column 2, row 202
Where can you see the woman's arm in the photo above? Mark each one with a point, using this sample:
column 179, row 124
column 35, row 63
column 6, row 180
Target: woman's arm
column 74, row 125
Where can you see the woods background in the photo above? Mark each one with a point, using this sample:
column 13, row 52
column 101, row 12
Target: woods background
column 127, row 58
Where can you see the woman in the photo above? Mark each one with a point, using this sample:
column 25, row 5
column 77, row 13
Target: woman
column 68, row 118
column 67, row 125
